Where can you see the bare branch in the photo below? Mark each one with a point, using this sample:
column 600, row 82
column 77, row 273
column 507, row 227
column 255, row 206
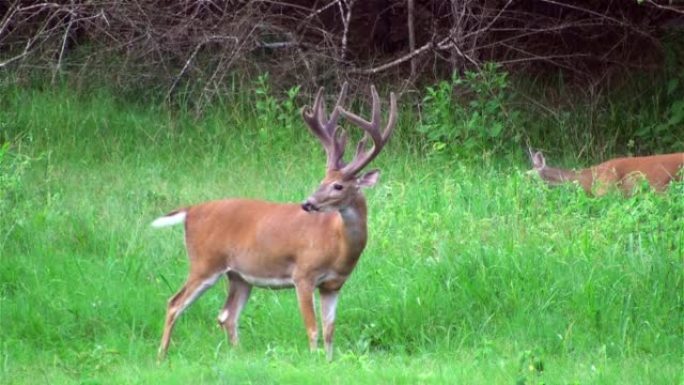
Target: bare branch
column 346, row 18
column 395, row 62
column 671, row 8
column 412, row 36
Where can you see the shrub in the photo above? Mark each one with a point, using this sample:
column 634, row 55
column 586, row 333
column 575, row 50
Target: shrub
column 480, row 120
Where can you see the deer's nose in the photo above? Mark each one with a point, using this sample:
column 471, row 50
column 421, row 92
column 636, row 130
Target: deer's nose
column 309, row 207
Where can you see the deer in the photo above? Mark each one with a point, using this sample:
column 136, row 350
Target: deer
column 307, row 246
column 623, row 174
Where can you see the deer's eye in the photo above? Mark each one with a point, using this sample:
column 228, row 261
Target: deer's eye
column 338, row 186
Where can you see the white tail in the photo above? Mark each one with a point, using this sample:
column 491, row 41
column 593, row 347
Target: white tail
column 170, row 219
column 315, row 245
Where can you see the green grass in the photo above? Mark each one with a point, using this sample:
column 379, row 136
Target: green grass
column 474, row 273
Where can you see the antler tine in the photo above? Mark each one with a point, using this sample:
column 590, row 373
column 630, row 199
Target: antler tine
column 371, row 130
column 331, row 123
column 392, row 119
column 375, row 109
column 309, row 115
column 319, row 110
column 340, row 136
column 325, row 128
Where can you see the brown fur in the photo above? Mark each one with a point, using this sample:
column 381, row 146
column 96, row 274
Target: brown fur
column 275, row 243
column 621, row 173
column 268, row 239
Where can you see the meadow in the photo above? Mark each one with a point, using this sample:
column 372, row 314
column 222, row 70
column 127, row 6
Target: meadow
column 475, row 273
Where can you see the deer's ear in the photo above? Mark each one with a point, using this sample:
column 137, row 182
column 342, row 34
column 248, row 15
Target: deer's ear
column 538, row 160
column 368, row 179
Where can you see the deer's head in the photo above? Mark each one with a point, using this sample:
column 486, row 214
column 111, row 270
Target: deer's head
column 538, row 162
column 343, row 181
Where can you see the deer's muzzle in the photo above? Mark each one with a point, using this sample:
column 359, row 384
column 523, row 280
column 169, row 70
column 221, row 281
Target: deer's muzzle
column 309, row 207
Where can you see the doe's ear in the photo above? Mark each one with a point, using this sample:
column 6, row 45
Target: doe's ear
column 538, row 160
column 368, row 179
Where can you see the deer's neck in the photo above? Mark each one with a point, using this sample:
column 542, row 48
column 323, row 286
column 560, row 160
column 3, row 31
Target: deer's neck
column 556, row 176
column 354, row 220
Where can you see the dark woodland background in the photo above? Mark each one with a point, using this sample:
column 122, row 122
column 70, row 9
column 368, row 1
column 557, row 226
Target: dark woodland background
column 560, row 54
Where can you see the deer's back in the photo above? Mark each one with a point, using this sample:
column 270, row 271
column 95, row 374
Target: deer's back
column 658, row 170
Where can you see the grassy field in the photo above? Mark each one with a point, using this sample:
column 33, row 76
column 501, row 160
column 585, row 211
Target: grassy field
column 474, row 273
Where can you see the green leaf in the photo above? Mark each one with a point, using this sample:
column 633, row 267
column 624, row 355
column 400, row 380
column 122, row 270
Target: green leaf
column 643, row 131
column 495, row 130
column 672, row 86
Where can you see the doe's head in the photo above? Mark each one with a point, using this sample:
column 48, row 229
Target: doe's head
column 538, row 162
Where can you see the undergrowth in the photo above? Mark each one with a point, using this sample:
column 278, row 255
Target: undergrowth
column 474, row 272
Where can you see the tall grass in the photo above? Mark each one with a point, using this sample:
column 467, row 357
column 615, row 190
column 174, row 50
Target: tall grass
column 474, row 273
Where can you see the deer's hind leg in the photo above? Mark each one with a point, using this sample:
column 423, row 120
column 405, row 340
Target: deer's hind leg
column 238, row 294
column 195, row 285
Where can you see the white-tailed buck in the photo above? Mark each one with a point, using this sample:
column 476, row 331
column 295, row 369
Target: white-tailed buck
column 621, row 173
column 306, row 246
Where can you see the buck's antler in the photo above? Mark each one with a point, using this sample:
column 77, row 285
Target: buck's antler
column 364, row 156
column 326, row 129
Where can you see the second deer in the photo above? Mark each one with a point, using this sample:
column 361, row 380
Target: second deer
column 621, row 173
column 314, row 245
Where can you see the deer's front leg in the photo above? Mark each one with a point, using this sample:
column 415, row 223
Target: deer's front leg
column 328, row 307
column 305, row 290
